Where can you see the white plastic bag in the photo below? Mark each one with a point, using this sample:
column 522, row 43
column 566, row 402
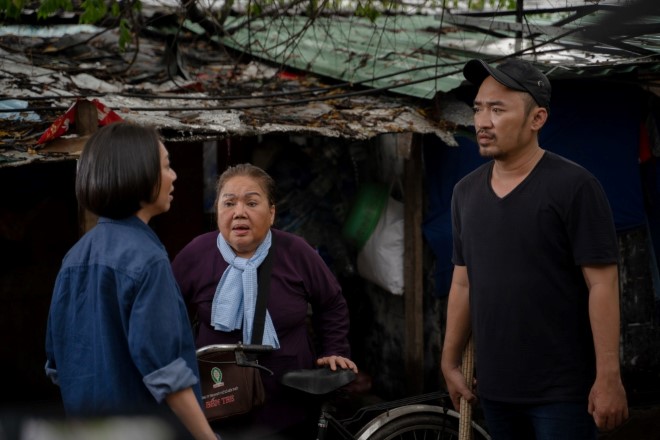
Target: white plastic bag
column 381, row 259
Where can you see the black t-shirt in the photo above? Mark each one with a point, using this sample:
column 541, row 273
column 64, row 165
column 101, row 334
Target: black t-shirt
column 528, row 297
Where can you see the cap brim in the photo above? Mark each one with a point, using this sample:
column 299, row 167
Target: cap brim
column 476, row 71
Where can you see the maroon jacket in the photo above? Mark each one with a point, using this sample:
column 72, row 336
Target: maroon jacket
column 299, row 277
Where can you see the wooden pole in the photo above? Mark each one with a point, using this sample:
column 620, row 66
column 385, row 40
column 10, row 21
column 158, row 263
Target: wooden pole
column 467, row 368
column 413, row 274
column 87, row 122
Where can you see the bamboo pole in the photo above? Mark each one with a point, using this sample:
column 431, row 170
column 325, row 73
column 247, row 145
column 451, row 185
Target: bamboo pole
column 467, row 368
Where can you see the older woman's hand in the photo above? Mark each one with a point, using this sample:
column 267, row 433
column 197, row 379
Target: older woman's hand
column 337, row 361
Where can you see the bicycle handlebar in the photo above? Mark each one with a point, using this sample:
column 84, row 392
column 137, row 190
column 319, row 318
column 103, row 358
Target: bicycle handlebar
column 239, row 351
column 222, row 348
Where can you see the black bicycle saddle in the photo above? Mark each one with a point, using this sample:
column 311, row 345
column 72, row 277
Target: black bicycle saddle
column 318, row 380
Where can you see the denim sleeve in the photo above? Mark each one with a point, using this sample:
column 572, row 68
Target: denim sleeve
column 159, row 334
column 50, row 367
column 51, row 373
column 169, row 379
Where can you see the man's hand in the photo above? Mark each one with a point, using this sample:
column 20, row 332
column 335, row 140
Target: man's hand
column 607, row 403
column 457, row 387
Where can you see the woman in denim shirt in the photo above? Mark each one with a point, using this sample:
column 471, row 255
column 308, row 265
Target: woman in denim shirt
column 118, row 339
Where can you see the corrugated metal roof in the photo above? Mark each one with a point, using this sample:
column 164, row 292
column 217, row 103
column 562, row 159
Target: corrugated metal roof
column 420, row 54
column 40, row 80
column 384, row 53
column 213, row 95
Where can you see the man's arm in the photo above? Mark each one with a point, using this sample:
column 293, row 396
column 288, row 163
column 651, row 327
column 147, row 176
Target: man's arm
column 456, row 336
column 607, row 400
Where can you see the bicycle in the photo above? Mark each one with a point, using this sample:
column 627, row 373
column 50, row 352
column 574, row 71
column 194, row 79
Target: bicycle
column 423, row 416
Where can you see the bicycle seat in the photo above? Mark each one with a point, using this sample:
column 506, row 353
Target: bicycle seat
column 317, row 380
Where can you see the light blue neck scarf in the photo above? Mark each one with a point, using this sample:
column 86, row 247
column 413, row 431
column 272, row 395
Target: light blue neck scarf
column 235, row 297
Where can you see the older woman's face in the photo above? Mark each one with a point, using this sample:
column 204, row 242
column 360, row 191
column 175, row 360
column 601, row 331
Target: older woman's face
column 244, row 214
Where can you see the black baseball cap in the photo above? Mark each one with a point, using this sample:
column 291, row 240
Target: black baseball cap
column 515, row 74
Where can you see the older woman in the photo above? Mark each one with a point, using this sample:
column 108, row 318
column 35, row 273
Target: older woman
column 210, row 273
column 107, row 344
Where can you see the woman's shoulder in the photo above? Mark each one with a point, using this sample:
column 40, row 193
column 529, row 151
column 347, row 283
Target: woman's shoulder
column 200, row 245
column 126, row 245
column 203, row 241
column 288, row 240
column 293, row 250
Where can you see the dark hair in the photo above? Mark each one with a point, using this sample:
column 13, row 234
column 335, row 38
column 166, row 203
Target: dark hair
column 253, row 171
column 118, row 169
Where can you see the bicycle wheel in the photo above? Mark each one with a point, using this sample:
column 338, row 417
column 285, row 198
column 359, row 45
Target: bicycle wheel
column 418, row 425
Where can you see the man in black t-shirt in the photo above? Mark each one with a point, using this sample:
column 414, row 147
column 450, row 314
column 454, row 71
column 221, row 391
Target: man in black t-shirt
column 535, row 274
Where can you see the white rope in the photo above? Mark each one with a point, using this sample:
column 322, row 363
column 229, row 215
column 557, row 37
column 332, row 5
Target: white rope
column 467, row 368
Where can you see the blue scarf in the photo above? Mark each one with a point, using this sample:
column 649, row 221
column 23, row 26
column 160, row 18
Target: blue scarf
column 235, row 297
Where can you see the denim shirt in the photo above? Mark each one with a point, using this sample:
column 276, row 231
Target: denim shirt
column 118, row 338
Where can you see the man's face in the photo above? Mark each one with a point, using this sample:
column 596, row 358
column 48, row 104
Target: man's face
column 502, row 120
